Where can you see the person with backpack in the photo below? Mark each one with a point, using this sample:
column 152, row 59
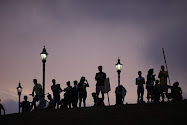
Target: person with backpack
column 140, row 81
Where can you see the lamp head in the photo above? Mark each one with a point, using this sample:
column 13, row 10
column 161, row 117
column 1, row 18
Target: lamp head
column 44, row 55
column 19, row 88
column 119, row 66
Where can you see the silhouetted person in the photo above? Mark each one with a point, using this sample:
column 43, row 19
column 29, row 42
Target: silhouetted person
column 52, row 102
column 56, row 92
column 150, row 84
column 2, row 108
column 75, row 94
column 82, row 91
column 157, row 91
column 25, row 105
column 42, row 103
column 68, row 95
column 140, row 81
column 163, row 75
column 37, row 91
column 100, row 77
column 176, row 92
column 120, row 94
column 97, row 101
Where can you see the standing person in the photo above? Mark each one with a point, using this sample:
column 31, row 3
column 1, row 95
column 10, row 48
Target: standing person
column 100, row 77
column 75, row 94
column 37, row 90
column 56, row 92
column 68, row 95
column 2, row 108
column 140, row 81
column 150, row 84
column 82, row 91
column 157, row 91
column 163, row 75
column 25, row 105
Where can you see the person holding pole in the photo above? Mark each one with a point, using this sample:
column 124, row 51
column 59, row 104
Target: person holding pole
column 163, row 75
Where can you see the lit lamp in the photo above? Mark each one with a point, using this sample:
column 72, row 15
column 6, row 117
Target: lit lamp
column 19, row 90
column 44, row 55
column 118, row 68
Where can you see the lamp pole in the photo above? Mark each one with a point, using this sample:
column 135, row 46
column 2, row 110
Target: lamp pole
column 44, row 78
column 118, row 68
column 119, row 77
column 44, row 55
column 19, row 90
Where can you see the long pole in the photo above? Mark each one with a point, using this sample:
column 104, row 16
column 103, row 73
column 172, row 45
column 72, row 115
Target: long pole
column 119, row 77
column 166, row 65
column 44, row 79
column 19, row 102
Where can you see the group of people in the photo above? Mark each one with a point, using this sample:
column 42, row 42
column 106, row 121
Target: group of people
column 76, row 96
column 157, row 88
column 73, row 96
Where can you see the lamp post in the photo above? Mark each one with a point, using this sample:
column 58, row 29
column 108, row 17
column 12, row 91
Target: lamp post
column 19, row 90
column 118, row 68
column 44, row 55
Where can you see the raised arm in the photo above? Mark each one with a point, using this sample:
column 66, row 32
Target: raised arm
column 87, row 85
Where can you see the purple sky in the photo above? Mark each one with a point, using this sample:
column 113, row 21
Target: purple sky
column 80, row 35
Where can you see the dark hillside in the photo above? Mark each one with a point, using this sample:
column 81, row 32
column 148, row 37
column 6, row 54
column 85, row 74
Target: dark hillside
column 130, row 114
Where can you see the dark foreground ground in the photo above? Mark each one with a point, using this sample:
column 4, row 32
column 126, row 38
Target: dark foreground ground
column 129, row 114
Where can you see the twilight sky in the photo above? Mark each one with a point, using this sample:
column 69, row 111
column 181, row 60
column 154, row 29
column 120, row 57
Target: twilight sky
column 80, row 35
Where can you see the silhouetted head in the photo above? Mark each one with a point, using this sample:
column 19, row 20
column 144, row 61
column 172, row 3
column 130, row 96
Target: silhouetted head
column 150, row 72
column 35, row 81
column 176, row 84
column 157, row 81
column 100, row 68
column 25, row 98
column 140, row 73
column 68, row 83
column 82, row 79
column 162, row 68
column 75, row 82
column 54, row 81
